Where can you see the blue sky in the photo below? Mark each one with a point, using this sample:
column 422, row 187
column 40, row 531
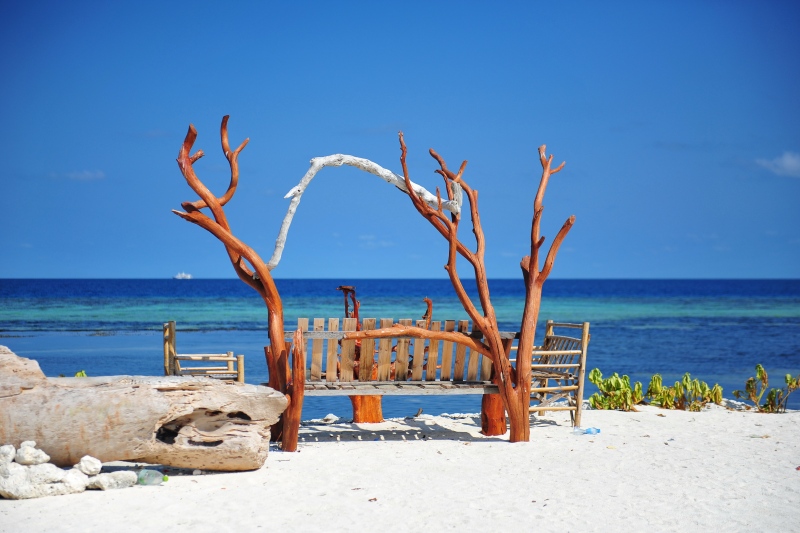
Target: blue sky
column 678, row 122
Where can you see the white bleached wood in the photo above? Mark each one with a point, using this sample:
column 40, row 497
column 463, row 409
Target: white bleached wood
column 177, row 421
column 337, row 160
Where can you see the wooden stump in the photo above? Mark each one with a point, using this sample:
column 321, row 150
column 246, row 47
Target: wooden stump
column 367, row 409
column 493, row 415
column 178, row 421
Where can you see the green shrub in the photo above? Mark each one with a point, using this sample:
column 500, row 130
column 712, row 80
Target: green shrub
column 691, row 394
column 755, row 387
column 615, row 392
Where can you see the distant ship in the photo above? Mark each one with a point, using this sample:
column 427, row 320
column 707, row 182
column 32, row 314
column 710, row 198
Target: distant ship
column 182, row 275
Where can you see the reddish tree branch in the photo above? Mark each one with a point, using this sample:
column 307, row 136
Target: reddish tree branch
column 259, row 277
column 399, row 330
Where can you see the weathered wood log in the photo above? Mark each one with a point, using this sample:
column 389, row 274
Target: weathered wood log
column 184, row 422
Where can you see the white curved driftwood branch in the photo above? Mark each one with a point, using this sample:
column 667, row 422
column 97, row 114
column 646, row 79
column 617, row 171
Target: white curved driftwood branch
column 337, row 160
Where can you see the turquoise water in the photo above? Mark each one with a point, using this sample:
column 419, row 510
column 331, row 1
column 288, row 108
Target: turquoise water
column 716, row 329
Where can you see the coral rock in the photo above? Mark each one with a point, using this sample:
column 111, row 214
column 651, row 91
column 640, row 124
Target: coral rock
column 7, row 453
column 113, row 480
column 89, row 465
column 75, row 480
column 28, row 455
column 45, row 473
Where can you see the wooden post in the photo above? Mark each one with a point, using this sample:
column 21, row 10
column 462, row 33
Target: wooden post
column 581, row 374
column 295, row 392
column 367, row 409
column 493, row 412
column 169, row 348
column 240, row 368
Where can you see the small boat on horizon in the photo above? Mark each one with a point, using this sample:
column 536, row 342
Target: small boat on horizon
column 182, row 275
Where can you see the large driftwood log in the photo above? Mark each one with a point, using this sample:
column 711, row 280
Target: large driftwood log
column 178, row 421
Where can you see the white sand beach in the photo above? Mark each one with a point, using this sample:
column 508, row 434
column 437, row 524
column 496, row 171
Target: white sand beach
column 654, row 469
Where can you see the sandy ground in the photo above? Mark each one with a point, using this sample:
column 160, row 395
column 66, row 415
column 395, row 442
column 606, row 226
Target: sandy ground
column 654, row 469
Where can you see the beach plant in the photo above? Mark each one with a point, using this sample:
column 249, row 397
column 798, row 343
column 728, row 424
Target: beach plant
column 756, row 387
column 688, row 393
column 615, row 392
column 80, row 374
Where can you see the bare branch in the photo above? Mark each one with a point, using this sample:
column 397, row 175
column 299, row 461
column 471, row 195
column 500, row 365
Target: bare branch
column 551, row 255
column 238, row 252
column 232, row 158
column 453, row 204
column 428, row 312
column 420, row 333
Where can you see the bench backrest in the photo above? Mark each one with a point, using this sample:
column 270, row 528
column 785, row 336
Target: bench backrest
column 214, row 365
column 333, row 359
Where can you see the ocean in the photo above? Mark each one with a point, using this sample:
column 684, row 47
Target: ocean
column 717, row 330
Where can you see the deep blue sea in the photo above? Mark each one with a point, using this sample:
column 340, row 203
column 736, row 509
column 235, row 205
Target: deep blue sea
column 716, row 329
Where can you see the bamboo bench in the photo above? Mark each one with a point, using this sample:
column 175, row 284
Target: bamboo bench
column 405, row 365
column 233, row 369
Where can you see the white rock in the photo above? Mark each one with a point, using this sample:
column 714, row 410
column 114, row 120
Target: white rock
column 7, row 453
column 113, row 480
column 19, row 482
column 13, row 480
column 89, row 465
column 45, row 473
column 28, row 455
column 75, row 481
column 28, row 444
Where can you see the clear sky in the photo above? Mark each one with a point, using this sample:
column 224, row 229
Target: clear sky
column 678, row 122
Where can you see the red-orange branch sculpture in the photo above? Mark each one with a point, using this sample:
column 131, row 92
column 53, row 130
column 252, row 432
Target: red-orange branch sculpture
column 513, row 382
column 256, row 274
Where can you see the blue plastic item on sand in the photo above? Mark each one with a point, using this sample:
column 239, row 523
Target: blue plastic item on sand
column 587, row 431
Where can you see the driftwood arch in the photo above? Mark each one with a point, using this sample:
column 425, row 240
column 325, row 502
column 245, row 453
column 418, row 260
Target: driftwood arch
column 445, row 216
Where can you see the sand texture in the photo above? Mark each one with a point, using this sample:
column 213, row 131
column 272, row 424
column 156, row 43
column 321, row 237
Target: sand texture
column 654, row 469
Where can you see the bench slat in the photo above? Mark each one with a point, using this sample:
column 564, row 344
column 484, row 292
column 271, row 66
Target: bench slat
column 332, row 360
column 433, row 354
column 419, row 355
column 401, row 358
column 385, row 353
column 367, row 357
column 377, row 388
column 203, row 357
column 348, row 350
column 461, row 353
column 472, row 365
column 447, row 353
column 316, row 351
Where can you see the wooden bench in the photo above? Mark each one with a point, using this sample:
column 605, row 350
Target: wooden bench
column 233, row 368
column 404, row 365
